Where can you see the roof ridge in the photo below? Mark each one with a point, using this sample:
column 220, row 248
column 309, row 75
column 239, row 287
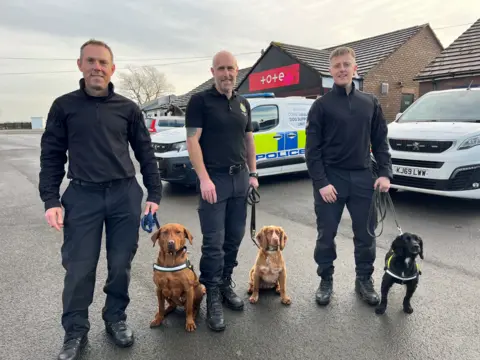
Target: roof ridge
column 327, row 49
column 278, row 43
column 418, row 27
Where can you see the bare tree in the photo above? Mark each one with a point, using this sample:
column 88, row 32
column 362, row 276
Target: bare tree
column 144, row 83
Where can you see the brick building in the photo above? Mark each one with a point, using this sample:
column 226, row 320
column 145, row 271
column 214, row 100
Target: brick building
column 387, row 64
column 458, row 66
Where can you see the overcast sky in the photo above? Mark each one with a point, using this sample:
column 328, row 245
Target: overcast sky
column 176, row 31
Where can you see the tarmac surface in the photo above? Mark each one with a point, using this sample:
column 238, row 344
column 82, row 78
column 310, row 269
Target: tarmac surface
column 444, row 324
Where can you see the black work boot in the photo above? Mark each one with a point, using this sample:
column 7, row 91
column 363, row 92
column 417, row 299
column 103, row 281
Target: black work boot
column 232, row 300
column 120, row 332
column 324, row 291
column 215, row 319
column 364, row 286
column 72, row 347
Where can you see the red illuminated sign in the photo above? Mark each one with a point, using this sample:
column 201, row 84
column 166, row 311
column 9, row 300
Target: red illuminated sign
column 275, row 78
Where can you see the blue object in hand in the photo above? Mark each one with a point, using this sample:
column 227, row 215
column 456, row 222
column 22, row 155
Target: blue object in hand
column 148, row 221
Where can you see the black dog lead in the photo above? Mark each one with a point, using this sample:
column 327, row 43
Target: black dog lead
column 380, row 203
column 252, row 199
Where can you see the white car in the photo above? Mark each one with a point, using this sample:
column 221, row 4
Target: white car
column 279, row 133
column 435, row 144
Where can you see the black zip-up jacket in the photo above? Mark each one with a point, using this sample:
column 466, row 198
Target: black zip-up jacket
column 96, row 132
column 340, row 129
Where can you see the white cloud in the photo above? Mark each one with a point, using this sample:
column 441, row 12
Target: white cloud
column 182, row 29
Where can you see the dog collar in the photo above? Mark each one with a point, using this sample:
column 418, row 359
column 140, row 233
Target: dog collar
column 185, row 265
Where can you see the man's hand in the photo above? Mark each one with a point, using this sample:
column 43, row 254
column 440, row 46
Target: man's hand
column 253, row 181
column 329, row 194
column 382, row 182
column 54, row 217
column 150, row 207
column 209, row 194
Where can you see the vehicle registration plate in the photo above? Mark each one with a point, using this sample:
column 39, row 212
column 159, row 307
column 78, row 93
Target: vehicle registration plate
column 408, row 171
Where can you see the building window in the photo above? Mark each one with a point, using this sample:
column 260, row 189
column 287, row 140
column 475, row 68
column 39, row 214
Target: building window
column 407, row 100
column 266, row 116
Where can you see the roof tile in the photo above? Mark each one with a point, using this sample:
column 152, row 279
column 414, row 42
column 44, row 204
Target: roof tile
column 460, row 57
column 182, row 100
column 369, row 52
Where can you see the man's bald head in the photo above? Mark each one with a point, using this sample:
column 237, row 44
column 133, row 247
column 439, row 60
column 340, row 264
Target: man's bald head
column 224, row 70
column 223, row 55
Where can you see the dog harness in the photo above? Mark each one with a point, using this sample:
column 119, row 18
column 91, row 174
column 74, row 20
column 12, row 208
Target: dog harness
column 402, row 277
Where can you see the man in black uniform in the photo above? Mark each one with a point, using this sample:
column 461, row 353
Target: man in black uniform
column 222, row 151
column 95, row 125
column 341, row 126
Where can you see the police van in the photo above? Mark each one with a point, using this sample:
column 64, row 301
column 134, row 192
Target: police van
column 279, row 133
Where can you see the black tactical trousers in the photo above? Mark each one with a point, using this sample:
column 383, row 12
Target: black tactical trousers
column 355, row 190
column 88, row 207
column 223, row 225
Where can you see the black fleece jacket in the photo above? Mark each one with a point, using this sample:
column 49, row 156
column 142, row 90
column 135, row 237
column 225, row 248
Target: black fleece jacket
column 96, row 132
column 340, row 129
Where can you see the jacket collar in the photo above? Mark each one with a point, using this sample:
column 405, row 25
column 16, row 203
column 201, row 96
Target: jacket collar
column 340, row 90
column 111, row 90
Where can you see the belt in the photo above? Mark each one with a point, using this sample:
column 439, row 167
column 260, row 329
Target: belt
column 105, row 184
column 231, row 170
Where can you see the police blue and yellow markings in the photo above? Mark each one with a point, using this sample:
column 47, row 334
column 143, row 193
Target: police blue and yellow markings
column 280, row 145
column 280, row 154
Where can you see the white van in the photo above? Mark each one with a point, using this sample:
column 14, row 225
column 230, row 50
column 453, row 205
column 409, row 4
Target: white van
column 435, row 144
column 279, row 133
column 163, row 123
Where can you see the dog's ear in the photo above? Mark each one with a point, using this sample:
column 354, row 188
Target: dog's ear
column 420, row 241
column 260, row 237
column 155, row 237
column 188, row 235
column 283, row 238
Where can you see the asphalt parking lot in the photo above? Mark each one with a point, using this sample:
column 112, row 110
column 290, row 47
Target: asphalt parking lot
column 444, row 324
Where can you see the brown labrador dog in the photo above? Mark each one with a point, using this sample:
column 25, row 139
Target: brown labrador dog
column 269, row 270
column 174, row 276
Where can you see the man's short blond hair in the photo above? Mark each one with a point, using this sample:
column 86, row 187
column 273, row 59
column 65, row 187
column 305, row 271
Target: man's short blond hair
column 342, row 50
column 97, row 43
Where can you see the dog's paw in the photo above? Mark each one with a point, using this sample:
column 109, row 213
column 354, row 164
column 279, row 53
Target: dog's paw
column 286, row 300
column 380, row 310
column 253, row 299
column 190, row 326
column 156, row 322
column 407, row 309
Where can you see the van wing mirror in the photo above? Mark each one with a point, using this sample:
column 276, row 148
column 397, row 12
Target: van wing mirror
column 398, row 116
column 256, row 126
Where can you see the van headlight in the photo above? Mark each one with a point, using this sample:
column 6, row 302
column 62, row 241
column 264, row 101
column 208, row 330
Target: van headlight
column 469, row 143
column 180, row 146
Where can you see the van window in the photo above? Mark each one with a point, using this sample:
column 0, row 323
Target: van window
column 459, row 106
column 170, row 122
column 266, row 116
